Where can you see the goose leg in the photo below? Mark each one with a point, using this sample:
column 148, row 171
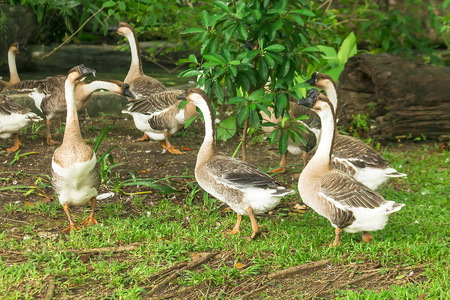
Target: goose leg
column 168, row 146
column 16, row 144
column 236, row 227
column 366, row 237
column 337, row 238
column 91, row 220
column 255, row 227
column 71, row 222
column 282, row 168
column 145, row 137
column 49, row 133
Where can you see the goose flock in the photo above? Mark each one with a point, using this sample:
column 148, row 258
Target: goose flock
column 338, row 182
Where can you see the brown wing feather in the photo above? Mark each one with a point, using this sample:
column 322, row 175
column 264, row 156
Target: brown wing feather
column 155, row 102
column 145, row 86
column 9, row 106
column 359, row 153
column 345, row 190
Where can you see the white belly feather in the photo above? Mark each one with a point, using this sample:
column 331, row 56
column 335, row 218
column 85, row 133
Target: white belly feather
column 74, row 182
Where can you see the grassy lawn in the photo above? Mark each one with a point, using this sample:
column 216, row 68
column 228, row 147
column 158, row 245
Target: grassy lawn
column 139, row 237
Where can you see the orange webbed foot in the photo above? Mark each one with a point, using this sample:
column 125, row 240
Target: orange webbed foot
column 71, row 228
column 90, row 221
column 144, row 138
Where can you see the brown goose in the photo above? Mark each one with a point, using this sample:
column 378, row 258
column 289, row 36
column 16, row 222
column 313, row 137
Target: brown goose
column 312, row 127
column 13, row 118
column 75, row 175
column 240, row 185
column 348, row 204
column 158, row 116
column 352, row 155
column 14, row 49
column 49, row 96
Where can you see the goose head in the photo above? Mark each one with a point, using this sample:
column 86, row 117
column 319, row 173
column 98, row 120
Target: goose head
column 17, row 48
column 320, row 80
column 195, row 96
column 316, row 102
column 122, row 28
column 79, row 73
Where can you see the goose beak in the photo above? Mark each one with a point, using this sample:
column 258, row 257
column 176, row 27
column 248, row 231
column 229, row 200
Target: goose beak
column 86, row 71
column 182, row 96
column 310, row 99
column 126, row 91
column 312, row 80
column 21, row 47
column 113, row 28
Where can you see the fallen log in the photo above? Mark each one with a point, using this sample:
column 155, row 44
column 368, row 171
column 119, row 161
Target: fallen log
column 402, row 98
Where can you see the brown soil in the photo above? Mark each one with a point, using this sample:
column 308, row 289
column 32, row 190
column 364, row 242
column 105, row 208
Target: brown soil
column 148, row 160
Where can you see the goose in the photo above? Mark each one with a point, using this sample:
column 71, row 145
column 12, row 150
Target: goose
column 348, row 204
column 75, row 175
column 49, row 96
column 311, row 135
column 13, row 118
column 14, row 49
column 240, row 185
column 158, row 115
column 155, row 110
column 350, row 154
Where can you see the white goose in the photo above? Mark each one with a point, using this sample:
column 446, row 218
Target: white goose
column 350, row 154
column 14, row 49
column 243, row 187
column 13, row 118
column 348, row 204
column 75, row 175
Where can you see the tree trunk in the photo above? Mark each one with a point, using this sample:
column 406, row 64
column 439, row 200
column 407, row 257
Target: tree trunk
column 401, row 97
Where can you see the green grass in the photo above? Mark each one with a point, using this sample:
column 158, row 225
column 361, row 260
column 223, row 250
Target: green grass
column 169, row 233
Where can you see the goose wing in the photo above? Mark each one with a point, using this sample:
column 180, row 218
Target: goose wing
column 241, row 175
column 345, row 192
column 155, row 103
column 145, row 86
column 8, row 106
column 357, row 152
column 296, row 111
column 25, row 86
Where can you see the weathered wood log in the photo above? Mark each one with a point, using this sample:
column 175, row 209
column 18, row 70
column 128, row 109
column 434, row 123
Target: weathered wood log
column 401, row 97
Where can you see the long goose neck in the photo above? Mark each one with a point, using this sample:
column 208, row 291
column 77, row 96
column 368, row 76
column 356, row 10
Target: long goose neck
column 136, row 63
column 86, row 89
column 72, row 127
column 330, row 90
column 208, row 147
column 13, row 76
column 322, row 157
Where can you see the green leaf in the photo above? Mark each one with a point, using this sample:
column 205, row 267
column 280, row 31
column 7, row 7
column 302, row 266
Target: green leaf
column 190, row 121
column 298, row 19
column 218, row 91
column 269, row 60
column 348, row 49
column 236, row 100
column 256, row 14
column 122, row 6
column 273, row 136
column 190, row 73
column 226, row 129
column 222, row 5
column 243, row 114
column 215, row 57
column 193, row 30
column 263, row 70
column 310, row 49
column 242, row 32
column 109, row 4
column 204, row 18
column 275, row 48
column 254, row 119
column 283, row 142
column 281, row 101
column 256, row 94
